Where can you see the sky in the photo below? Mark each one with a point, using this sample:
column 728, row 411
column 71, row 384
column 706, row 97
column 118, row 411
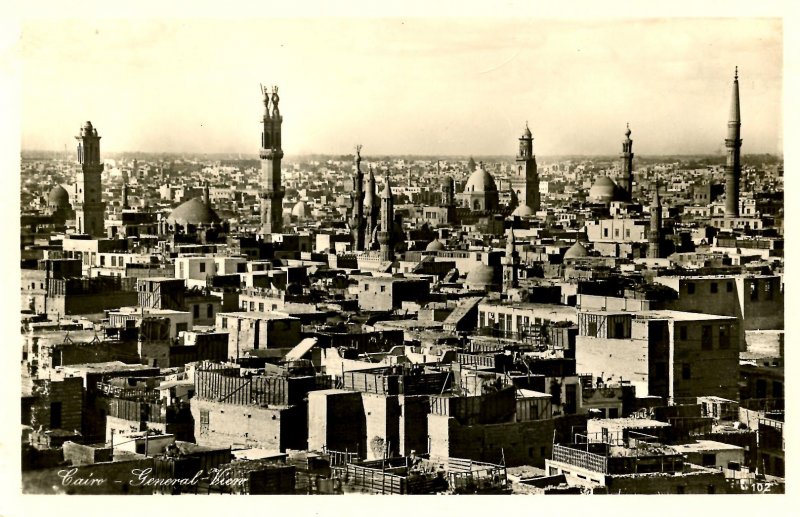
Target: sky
column 426, row 86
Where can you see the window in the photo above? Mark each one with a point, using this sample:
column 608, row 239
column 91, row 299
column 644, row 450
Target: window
column 261, row 307
column 724, row 337
column 113, row 260
column 252, row 306
column 55, row 415
column 686, row 371
column 730, row 287
column 605, row 232
column 383, row 288
column 690, row 288
column 209, row 311
column 196, row 311
column 202, row 267
column 705, row 340
column 102, row 260
column 204, row 421
column 224, row 323
column 593, row 328
column 366, row 287
column 714, row 288
column 683, row 332
column 627, row 233
column 753, row 291
column 616, row 232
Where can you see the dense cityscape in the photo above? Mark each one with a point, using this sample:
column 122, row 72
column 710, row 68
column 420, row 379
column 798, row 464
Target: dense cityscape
column 284, row 324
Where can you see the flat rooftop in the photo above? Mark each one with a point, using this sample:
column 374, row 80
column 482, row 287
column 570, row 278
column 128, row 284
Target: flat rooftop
column 706, row 446
column 256, row 315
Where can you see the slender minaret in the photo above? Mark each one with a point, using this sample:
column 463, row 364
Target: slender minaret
column 125, row 204
column 385, row 237
column 625, row 180
column 526, row 181
column 511, row 262
column 89, row 207
column 654, row 235
column 371, row 210
column 206, row 195
column 733, row 167
column 357, row 222
column 271, row 154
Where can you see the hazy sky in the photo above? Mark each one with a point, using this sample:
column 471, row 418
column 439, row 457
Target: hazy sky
column 416, row 86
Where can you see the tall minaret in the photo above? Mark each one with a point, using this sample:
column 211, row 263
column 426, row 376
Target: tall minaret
column 89, row 207
column 371, row 209
column 387, row 222
column 625, row 180
column 271, row 154
column 357, row 221
column 526, row 181
column 733, row 168
column 654, row 235
column 206, row 194
column 511, row 263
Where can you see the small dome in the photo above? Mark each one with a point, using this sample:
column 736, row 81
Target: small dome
column 480, row 181
column 527, row 133
column 435, row 245
column 300, row 209
column 522, row 211
column 576, row 251
column 58, row 197
column 481, row 277
column 193, row 212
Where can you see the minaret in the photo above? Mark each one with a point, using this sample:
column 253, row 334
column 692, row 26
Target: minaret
column 89, row 208
column 511, row 263
column 654, row 235
column 625, row 180
column 357, row 222
column 387, row 222
column 733, row 167
column 371, row 209
column 271, row 154
column 526, row 181
column 206, row 196
column 125, row 204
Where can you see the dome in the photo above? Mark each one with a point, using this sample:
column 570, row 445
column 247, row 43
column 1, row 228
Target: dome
column 481, row 277
column 435, row 245
column 522, row 211
column 603, row 189
column 576, row 251
column 480, row 181
column 299, row 209
column 193, row 212
column 58, row 197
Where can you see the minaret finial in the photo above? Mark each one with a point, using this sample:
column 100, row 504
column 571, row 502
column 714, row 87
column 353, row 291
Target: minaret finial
column 736, row 73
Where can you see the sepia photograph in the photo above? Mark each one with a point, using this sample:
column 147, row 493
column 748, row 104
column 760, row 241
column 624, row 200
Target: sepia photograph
column 397, row 255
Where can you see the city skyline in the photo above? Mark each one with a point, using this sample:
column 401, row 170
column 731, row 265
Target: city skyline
column 432, row 92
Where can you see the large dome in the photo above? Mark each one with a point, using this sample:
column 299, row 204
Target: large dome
column 522, row 211
column 603, row 190
column 576, row 251
column 482, row 277
column 194, row 212
column 480, row 181
column 58, row 197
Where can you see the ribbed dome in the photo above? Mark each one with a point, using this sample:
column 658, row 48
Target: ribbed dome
column 58, row 197
column 300, row 209
column 481, row 277
column 480, row 181
column 522, row 211
column 193, row 212
column 435, row 245
column 576, row 251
